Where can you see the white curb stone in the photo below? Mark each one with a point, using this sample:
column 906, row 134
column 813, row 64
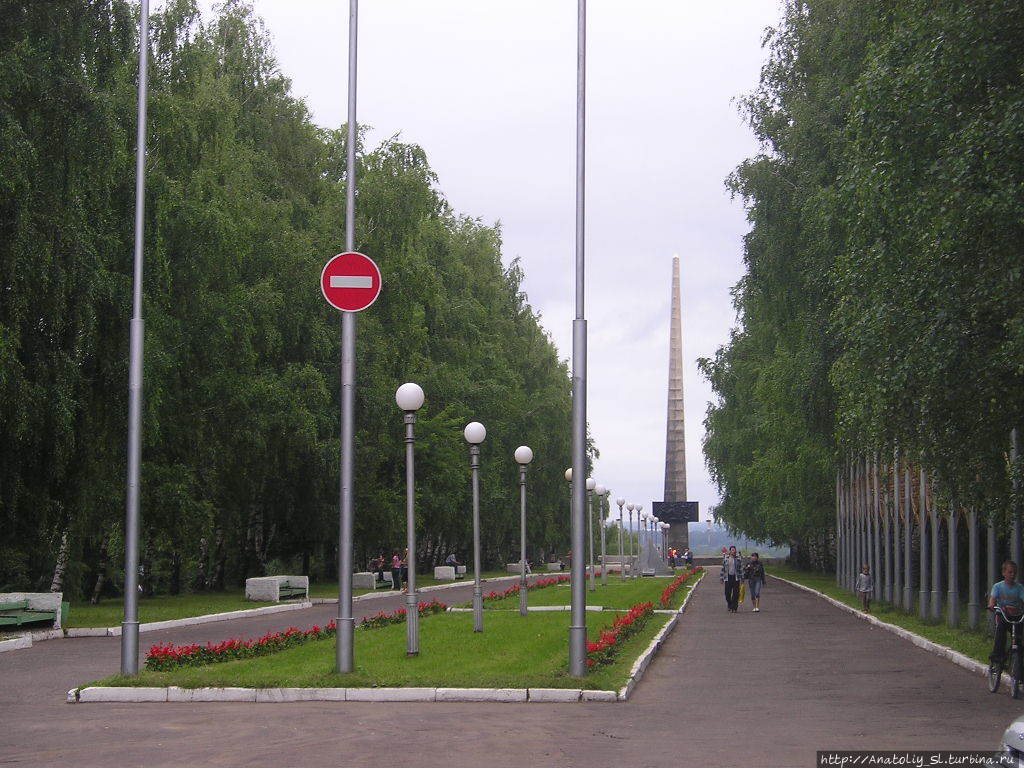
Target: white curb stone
column 174, row 693
column 921, row 642
column 599, row 696
column 481, row 694
column 391, row 694
column 287, row 695
column 16, row 643
column 73, row 696
column 223, row 694
column 87, row 632
column 133, row 695
column 47, row 634
column 549, row 608
column 557, row 695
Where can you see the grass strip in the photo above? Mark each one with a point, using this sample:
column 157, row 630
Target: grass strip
column 512, row 652
column 976, row 644
column 617, row 595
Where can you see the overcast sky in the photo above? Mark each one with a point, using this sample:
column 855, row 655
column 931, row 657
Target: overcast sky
column 487, row 87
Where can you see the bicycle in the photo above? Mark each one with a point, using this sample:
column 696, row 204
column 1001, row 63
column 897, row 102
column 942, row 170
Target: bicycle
column 1016, row 656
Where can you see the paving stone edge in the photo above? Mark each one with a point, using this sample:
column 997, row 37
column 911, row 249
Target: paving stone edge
column 923, row 643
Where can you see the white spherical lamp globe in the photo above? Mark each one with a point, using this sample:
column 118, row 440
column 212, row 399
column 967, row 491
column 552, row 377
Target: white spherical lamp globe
column 600, row 490
column 620, row 501
column 524, row 454
column 591, row 483
column 475, row 432
column 409, row 396
column 568, row 474
column 630, row 507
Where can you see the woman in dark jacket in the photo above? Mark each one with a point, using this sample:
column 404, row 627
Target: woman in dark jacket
column 754, row 574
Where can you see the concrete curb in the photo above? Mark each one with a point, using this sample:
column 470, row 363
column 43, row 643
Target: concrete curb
column 173, row 694
column 16, row 643
column 645, row 658
column 190, row 621
column 921, row 642
column 394, row 592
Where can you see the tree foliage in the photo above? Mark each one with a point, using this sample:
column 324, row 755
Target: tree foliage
column 245, row 201
column 882, row 303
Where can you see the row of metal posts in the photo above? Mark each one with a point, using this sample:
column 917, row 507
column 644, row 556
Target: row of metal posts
column 879, row 507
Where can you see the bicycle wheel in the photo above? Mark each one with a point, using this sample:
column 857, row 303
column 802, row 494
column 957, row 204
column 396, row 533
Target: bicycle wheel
column 1015, row 674
column 995, row 673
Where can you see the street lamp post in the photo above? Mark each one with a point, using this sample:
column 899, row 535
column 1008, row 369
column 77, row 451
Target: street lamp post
column 591, row 485
column 475, row 434
column 601, row 492
column 523, row 456
column 641, row 538
column 410, row 399
column 632, row 544
column 622, row 552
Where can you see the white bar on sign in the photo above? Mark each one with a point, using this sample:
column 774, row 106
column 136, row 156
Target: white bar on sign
column 351, row 281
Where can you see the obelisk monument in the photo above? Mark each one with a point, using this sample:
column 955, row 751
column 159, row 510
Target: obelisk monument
column 675, row 437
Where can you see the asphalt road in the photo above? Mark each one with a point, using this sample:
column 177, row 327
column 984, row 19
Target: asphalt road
column 765, row 689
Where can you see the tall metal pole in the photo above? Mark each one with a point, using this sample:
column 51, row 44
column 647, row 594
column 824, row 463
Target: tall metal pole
column 887, row 540
column 346, row 623
column 876, row 534
column 130, row 625
column 908, row 551
column 478, row 593
column 578, row 617
column 992, row 564
column 839, row 533
column 622, row 551
column 897, row 520
column 590, row 536
column 973, row 609
column 1015, row 541
column 933, row 514
column 604, row 550
column 522, row 541
column 952, row 577
column 412, row 603
column 632, row 546
column 925, row 523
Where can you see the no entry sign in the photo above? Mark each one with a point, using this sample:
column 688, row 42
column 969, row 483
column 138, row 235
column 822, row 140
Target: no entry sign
column 350, row 282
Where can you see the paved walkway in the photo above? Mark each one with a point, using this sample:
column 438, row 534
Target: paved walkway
column 763, row 690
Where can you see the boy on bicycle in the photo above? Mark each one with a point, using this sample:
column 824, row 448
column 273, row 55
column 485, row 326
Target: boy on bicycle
column 1008, row 595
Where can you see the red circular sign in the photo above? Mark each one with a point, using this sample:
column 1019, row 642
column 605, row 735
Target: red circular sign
column 350, row 282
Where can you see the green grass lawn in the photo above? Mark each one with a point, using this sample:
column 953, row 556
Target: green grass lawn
column 618, row 594
column 511, row 652
column 975, row 644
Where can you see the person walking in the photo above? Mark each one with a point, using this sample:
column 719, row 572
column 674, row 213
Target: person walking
column 864, row 587
column 731, row 575
column 754, row 574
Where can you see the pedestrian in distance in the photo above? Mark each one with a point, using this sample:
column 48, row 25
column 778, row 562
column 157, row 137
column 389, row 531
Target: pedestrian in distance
column 731, row 575
column 1007, row 594
column 753, row 572
column 865, row 586
column 396, row 570
column 688, row 557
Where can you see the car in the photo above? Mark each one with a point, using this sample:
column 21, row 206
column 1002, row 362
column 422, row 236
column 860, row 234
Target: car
column 1013, row 740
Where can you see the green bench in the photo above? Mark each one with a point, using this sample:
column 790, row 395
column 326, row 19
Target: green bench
column 18, row 614
column 287, row 591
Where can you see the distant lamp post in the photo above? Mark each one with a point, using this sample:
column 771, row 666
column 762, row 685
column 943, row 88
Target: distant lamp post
column 622, row 552
column 641, row 538
column 591, row 485
column 475, row 434
column 632, row 544
column 523, row 456
column 601, row 492
column 410, row 399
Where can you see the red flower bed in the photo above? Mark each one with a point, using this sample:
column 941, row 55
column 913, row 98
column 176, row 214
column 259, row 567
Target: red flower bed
column 610, row 639
column 514, row 590
column 666, row 595
column 161, row 658
column 384, row 618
